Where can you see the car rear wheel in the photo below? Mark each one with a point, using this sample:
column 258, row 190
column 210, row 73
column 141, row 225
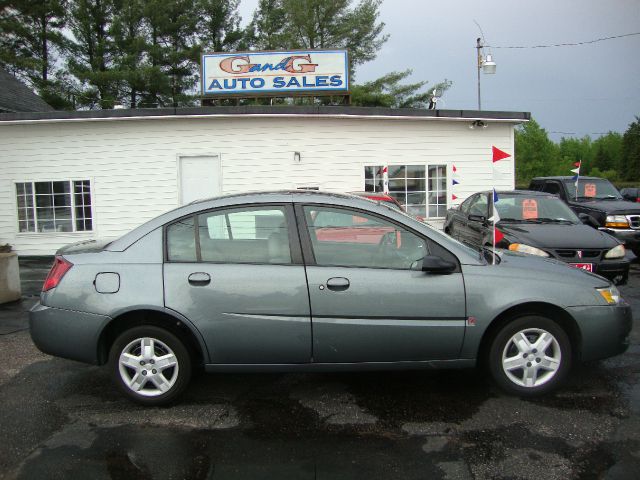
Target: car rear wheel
column 530, row 356
column 150, row 365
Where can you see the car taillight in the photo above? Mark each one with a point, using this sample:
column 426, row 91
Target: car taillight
column 59, row 268
column 638, row 199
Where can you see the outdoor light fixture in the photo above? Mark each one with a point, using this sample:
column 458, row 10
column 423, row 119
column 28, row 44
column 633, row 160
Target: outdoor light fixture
column 487, row 65
column 478, row 124
column 296, row 157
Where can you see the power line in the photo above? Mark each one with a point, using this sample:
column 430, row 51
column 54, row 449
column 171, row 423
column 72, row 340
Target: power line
column 567, row 44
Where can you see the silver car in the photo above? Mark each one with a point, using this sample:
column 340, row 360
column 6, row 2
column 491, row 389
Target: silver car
column 309, row 281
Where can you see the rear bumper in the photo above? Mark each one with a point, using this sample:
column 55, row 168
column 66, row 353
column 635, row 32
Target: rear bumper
column 604, row 330
column 66, row 333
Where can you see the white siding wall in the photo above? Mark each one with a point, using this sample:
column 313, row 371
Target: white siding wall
column 133, row 163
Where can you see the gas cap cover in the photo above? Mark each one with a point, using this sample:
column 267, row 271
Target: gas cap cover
column 107, row 282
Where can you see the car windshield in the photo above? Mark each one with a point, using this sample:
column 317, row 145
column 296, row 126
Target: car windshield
column 592, row 189
column 534, row 209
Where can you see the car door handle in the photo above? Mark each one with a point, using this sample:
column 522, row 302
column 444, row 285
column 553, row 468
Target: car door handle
column 199, row 279
column 338, row 284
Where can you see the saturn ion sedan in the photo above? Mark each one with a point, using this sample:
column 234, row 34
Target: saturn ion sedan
column 309, row 281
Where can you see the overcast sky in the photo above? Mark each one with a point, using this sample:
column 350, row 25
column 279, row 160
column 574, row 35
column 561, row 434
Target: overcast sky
column 570, row 91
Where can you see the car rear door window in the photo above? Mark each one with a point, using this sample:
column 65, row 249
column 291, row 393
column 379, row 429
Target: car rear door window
column 181, row 241
column 349, row 238
column 248, row 235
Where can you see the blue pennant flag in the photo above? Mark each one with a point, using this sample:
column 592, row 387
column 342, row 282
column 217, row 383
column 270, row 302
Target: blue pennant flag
column 455, row 182
column 495, row 196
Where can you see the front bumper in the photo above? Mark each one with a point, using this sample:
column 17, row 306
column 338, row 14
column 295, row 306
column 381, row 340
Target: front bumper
column 604, row 330
column 615, row 270
column 66, row 333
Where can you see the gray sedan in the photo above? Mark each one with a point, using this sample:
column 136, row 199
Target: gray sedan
column 308, row 281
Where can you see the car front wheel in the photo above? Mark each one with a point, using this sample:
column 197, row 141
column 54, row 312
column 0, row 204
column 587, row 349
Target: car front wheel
column 530, row 356
column 150, row 365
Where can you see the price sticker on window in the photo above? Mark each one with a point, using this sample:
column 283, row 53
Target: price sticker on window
column 529, row 208
column 589, row 189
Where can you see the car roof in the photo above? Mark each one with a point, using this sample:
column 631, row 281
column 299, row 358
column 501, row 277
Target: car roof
column 568, row 177
column 528, row 193
column 240, row 199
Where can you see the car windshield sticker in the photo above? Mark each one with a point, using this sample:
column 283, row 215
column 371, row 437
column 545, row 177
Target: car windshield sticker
column 589, row 189
column 529, row 209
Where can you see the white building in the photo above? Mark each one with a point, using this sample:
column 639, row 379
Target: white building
column 71, row 176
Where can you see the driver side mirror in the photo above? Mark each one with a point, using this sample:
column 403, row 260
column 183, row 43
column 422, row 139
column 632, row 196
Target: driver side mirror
column 477, row 218
column 588, row 220
column 434, row 264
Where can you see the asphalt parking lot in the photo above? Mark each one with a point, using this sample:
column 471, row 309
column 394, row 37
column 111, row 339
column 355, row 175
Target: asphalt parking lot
column 62, row 419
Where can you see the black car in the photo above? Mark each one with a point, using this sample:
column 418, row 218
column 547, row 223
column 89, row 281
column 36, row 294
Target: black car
column 631, row 193
column 538, row 224
column 596, row 198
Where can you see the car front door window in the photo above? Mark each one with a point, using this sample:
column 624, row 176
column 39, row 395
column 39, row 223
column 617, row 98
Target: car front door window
column 349, row 238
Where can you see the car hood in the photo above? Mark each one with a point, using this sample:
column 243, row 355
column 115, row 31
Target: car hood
column 557, row 235
column 611, row 206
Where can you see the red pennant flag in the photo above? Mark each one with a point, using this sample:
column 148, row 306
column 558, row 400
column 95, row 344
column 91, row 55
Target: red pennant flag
column 499, row 154
column 498, row 235
column 454, row 169
column 576, row 164
column 453, row 197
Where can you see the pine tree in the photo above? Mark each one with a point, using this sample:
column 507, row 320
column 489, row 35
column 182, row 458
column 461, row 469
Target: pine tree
column 129, row 46
column 173, row 52
column 31, row 40
column 631, row 152
column 219, row 25
column 91, row 60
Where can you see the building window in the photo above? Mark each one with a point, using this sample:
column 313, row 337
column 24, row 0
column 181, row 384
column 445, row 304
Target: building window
column 56, row 206
column 437, row 191
column 408, row 185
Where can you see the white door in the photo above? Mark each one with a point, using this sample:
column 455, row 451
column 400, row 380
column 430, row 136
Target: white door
column 199, row 178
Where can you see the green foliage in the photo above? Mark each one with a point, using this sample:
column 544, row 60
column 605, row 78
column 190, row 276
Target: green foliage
column 387, row 91
column 611, row 156
column 631, row 152
column 535, row 154
column 31, row 40
column 309, row 24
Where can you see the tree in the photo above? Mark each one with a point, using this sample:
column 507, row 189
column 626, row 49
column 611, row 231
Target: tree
column 572, row 150
column 608, row 152
column 267, row 28
column 219, row 25
column 387, row 91
column 316, row 24
column 30, row 42
column 129, row 46
column 535, row 154
column 631, row 152
column 173, row 52
column 91, row 60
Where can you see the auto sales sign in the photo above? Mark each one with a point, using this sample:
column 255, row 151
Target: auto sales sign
column 275, row 73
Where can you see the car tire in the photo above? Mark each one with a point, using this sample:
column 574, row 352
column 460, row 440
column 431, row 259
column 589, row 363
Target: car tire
column 150, row 365
column 530, row 356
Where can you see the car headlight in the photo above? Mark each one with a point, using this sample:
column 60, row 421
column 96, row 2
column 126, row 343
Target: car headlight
column 616, row 221
column 610, row 294
column 615, row 252
column 521, row 247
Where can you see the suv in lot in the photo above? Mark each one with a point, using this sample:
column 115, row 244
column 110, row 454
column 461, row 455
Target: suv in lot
column 598, row 202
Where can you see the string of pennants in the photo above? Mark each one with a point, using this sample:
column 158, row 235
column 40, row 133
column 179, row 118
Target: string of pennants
column 496, row 155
